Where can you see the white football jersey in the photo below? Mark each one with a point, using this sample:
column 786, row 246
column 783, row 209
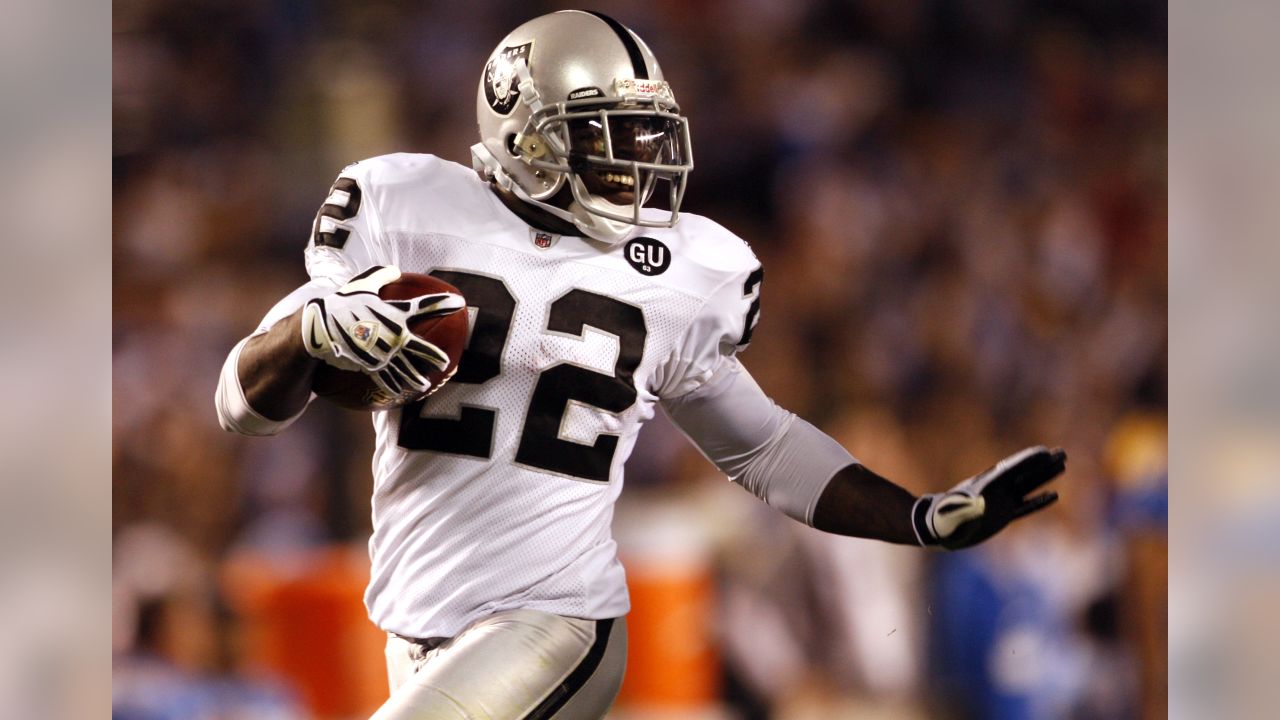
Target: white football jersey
column 497, row 492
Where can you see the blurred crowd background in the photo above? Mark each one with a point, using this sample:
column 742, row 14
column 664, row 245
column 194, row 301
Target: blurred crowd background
column 961, row 208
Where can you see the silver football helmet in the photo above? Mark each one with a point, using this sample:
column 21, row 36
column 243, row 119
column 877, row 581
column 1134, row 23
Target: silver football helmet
column 576, row 99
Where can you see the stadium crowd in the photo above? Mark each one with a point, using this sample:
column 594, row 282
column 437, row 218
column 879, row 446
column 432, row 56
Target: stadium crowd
column 961, row 210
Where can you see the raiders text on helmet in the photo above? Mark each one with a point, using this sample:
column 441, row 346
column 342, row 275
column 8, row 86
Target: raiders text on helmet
column 574, row 99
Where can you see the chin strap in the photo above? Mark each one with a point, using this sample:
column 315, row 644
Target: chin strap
column 487, row 167
column 593, row 226
column 528, row 90
column 490, row 170
column 597, row 226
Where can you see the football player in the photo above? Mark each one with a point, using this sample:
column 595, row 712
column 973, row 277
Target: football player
column 493, row 570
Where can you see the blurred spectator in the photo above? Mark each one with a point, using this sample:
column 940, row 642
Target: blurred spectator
column 177, row 654
column 962, row 212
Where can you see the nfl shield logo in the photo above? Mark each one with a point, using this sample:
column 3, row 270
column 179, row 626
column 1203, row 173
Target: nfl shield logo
column 543, row 240
column 365, row 333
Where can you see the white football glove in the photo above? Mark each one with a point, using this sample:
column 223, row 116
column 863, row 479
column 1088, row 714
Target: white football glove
column 354, row 329
column 981, row 506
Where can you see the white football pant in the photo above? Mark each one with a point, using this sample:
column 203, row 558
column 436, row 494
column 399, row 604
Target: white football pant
column 512, row 665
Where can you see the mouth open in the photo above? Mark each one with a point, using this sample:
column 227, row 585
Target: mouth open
column 616, row 187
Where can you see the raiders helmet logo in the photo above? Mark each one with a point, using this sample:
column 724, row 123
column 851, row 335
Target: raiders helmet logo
column 501, row 87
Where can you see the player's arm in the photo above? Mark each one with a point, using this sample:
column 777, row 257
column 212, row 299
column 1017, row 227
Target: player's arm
column 337, row 318
column 798, row 469
column 859, row 502
column 266, row 381
column 275, row 371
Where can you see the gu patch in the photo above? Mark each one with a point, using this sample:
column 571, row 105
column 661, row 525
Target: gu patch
column 647, row 256
column 501, row 86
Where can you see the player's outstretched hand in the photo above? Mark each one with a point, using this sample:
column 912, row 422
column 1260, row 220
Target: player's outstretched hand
column 981, row 506
column 355, row 329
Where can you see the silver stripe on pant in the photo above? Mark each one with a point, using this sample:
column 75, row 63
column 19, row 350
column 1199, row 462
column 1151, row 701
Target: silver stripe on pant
column 502, row 667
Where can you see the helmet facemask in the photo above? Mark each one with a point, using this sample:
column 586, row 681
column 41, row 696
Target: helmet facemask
column 576, row 119
column 612, row 152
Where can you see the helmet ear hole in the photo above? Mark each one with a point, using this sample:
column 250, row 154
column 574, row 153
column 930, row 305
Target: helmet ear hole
column 511, row 145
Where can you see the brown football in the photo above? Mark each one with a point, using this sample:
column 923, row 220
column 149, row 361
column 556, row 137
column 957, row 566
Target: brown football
column 357, row 391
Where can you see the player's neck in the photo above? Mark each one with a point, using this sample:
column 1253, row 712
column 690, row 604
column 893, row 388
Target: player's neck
column 537, row 218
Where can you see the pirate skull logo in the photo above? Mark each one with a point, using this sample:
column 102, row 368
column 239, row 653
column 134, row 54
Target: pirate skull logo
column 501, row 87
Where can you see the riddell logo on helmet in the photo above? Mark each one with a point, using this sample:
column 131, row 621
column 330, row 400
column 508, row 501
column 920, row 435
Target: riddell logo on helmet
column 648, row 88
column 501, row 86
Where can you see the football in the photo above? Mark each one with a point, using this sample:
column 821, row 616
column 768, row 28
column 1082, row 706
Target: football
column 355, row 390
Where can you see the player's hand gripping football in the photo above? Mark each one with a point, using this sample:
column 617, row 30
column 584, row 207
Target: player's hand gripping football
column 355, row 329
column 981, row 506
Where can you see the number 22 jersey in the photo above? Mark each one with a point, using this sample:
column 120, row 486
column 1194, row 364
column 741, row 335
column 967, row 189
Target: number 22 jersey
column 497, row 491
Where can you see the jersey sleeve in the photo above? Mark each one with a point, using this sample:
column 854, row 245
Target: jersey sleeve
column 721, row 329
column 343, row 243
column 345, row 235
column 769, row 451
